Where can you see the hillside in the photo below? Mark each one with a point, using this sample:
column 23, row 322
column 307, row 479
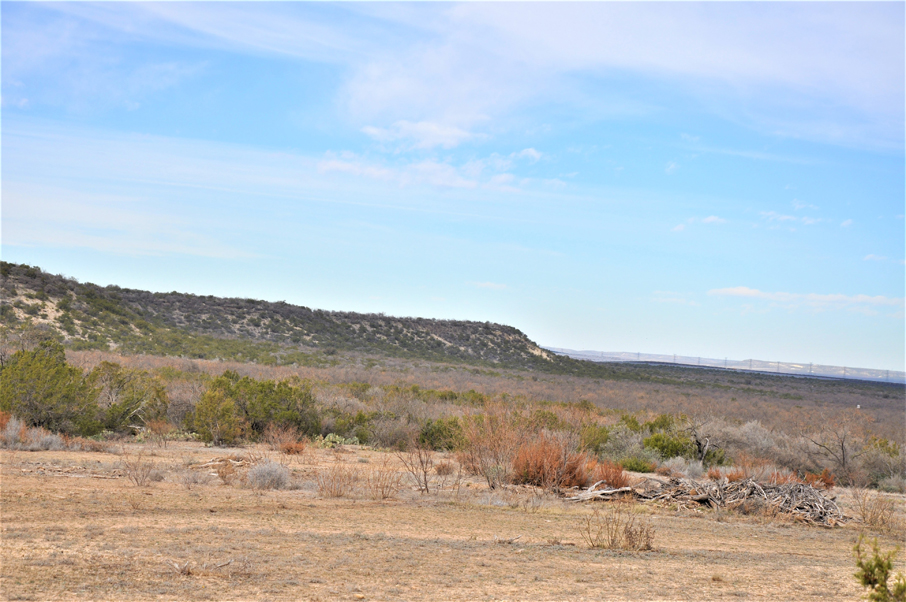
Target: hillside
column 87, row 316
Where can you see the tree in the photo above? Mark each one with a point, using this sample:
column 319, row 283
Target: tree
column 39, row 387
column 128, row 398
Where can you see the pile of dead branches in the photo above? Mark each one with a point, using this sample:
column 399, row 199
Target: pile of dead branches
column 801, row 501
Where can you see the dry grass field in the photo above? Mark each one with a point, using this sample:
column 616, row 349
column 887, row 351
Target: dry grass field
column 76, row 527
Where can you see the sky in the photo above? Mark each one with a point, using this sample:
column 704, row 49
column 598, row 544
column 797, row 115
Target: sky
column 705, row 179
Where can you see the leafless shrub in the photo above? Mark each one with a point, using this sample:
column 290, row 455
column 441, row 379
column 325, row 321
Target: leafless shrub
column 875, row 510
column 492, row 441
column 894, row 484
column 267, row 475
column 392, row 433
column 617, row 527
column 190, row 478
column 338, row 480
column 384, row 481
column 418, row 460
column 13, row 433
column 281, row 437
column 138, row 469
column 159, row 431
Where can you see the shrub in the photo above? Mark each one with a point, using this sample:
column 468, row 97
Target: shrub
column 670, row 446
column 41, row 389
column 278, row 437
column 216, row 418
column 617, row 528
column 492, row 440
column 638, row 465
column 549, row 461
column 874, row 510
column 137, row 469
column 268, row 475
column 874, row 574
column 337, row 481
column 611, row 473
column 825, row 480
column 442, row 434
column 418, row 461
column 383, row 482
column 127, row 399
column 894, row 484
column 681, row 466
column 593, row 437
column 13, row 433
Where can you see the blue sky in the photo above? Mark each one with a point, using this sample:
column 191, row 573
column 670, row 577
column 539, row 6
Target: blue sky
column 723, row 180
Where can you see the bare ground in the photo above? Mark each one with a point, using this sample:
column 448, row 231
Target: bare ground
column 74, row 527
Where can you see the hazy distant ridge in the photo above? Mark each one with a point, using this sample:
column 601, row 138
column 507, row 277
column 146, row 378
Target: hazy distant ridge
column 894, row 376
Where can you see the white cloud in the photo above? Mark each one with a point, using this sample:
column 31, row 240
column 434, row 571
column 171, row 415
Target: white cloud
column 837, row 67
column 846, row 223
column 529, row 153
column 872, row 257
column 678, row 228
column 816, row 301
column 671, row 167
column 422, row 134
column 798, row 205
column 489, row 285
column 713, row 219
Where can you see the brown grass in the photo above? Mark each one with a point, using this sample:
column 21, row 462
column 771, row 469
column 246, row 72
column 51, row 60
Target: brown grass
column 338, row 480
column 100, row 538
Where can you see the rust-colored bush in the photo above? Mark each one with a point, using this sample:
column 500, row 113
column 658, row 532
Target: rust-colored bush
column 825, row 480
column 548, row 461
column 4, row 418
column 715, row 474
column 779, row 477
column 737, row 474
column 611, row 473
column 294, row 448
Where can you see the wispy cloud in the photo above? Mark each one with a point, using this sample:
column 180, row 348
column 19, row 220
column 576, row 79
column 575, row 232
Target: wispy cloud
column 672, row 167
column 423, row 134
column 846, row 223
column 872, row 257
column 675, row 298
column 489, row 285
column 816, row 301
column 711, row 219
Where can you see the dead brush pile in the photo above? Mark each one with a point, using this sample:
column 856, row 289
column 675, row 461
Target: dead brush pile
column 801, row 501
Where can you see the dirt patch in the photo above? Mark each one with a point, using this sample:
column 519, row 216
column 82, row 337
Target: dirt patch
column 99, row 537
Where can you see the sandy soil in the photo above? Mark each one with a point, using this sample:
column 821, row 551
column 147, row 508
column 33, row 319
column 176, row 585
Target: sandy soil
column 74, row 527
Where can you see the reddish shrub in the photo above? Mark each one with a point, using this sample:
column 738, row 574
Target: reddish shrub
column 737, row 474
column 293, row 447
column 547, row 462
column 4, row 418
column 715, row 474
column 825, row 480
column 612, row 474
column 783, row 478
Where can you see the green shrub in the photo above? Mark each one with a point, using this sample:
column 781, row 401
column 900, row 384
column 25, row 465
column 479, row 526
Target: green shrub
column 442, row 434
column 39, row 387
column 670, row 446
column 875, row 573
column 593, row 437
column 637, row 464
column 216, row 418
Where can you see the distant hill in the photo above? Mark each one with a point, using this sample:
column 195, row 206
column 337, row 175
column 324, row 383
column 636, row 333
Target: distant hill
column 87, row 316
